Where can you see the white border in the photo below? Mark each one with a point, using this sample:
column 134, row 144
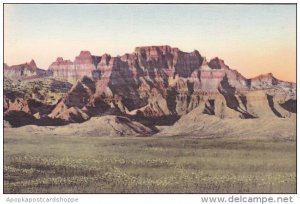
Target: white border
column 135, row 198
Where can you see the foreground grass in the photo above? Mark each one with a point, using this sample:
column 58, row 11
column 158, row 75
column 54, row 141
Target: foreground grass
column 52, row 164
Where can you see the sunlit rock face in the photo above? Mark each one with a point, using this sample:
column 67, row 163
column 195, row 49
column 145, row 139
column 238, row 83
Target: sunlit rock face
column 25, row 71
column 63, row 69
column 156, row 84
column 161, row 81
column 84, row 65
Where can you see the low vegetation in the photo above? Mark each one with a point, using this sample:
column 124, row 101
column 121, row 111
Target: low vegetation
column 47, row 91
column 55, row 164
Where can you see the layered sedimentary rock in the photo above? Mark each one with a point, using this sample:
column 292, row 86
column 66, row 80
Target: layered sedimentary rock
column 158, row 81
column 171, row 60
column 83, row 65
column 63, row 69
column 26, row 101
column 21, row 70
column 25, row 71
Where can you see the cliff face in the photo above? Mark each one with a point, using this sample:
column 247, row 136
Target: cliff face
column 158, row 83
column 25, row 71
column 145, row 61
column 161, row 81
column 170, row 60
column 83, row 65
column 63, row 69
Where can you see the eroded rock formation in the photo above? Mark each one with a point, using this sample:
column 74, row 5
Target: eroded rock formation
column 161, row 82
column 26, row 71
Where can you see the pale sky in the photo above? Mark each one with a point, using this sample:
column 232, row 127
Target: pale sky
column 254, row 39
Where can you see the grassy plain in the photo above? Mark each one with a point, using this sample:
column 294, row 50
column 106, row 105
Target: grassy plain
column 59, row 164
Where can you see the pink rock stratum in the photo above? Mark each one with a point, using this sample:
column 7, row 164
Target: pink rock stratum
column 155, row 82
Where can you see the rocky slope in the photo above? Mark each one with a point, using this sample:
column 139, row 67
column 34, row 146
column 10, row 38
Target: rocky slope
column 157, row 85
column 26, row 71
column 83, row 65
column 28, row 102
column 96, row 127
column 160, row 81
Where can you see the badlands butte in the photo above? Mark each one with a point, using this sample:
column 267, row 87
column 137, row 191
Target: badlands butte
column 154, row 91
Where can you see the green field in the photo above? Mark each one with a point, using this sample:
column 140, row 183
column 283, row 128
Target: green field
column 53, row 164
